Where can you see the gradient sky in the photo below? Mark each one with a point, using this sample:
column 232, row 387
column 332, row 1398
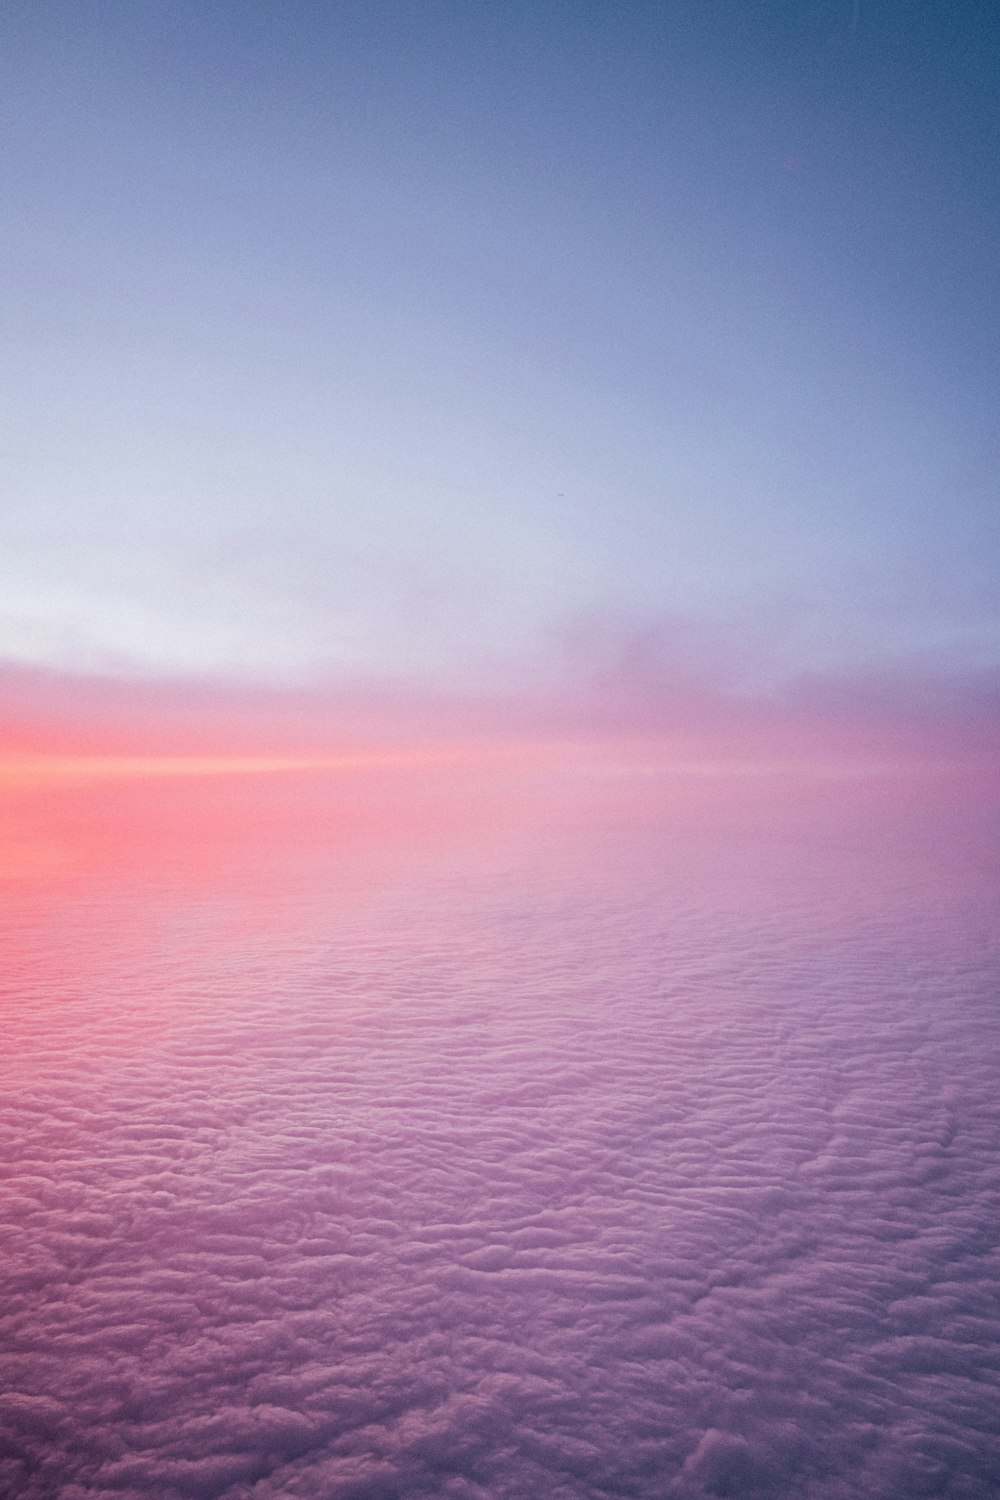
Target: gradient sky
column 464, row 343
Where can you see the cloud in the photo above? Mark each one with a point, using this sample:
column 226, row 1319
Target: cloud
column 715, row 689
column 633, row 1165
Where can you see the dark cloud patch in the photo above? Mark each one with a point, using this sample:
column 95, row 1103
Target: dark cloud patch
column 646, row 1182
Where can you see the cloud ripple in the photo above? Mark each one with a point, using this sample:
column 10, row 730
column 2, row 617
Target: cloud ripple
column 651, row 1183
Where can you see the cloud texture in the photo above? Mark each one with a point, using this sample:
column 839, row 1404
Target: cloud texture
column 610, row 1159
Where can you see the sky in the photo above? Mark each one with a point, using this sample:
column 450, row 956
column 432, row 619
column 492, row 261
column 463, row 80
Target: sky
column 490, row 349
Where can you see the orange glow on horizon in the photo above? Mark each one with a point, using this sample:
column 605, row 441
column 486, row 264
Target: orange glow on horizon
column 633, row 757
column 40, row 768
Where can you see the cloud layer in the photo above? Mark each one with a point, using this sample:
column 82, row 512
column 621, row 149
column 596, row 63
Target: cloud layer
column 616, row 680
column 610, row 1159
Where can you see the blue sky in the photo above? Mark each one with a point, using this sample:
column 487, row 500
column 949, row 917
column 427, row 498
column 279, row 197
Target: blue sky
column 461, row 342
